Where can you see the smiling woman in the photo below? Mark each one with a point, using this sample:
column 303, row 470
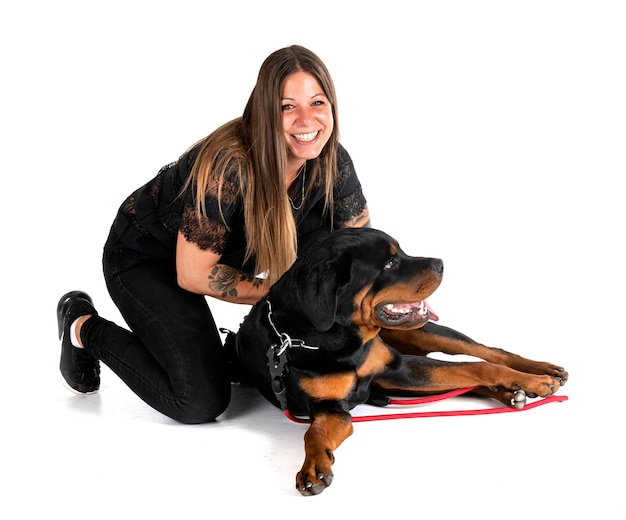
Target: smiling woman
column 307, row 120
column 226, row 220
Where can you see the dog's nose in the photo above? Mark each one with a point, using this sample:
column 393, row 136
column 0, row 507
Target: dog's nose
column 436, row 265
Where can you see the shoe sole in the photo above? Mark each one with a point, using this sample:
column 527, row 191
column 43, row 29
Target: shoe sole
column 73, row 390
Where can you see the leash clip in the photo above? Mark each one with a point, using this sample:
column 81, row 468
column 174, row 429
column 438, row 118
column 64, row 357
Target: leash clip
column 277, row 358
column 277, row 364
column 285, row 343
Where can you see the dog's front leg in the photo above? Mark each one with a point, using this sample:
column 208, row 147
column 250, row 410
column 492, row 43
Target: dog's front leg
column 329, row 428
column 437, row 338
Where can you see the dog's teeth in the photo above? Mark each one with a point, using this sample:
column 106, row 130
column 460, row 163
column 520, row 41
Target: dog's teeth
column 420, row 308
column 393, row 309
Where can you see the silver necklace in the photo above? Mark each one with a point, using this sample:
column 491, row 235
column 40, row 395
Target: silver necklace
column 303, row 169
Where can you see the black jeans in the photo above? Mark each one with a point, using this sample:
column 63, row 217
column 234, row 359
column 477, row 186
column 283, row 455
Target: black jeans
column 172, row 357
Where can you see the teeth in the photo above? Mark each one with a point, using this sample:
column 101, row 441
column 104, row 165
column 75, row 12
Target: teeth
column 306, row 137
column 421, row 309
column 393, row 310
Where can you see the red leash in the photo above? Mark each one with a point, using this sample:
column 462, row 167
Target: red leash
column 434, row 398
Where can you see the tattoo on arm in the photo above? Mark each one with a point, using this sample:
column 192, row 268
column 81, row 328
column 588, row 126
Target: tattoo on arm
column 224, row 279
column 360, row 220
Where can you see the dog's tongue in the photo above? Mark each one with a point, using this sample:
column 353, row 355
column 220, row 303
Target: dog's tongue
column 431, row 313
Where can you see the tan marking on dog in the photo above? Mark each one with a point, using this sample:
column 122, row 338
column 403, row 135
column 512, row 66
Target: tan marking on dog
column 363, row 313
column 377, row 359
column 365, row 316
column 331, row 386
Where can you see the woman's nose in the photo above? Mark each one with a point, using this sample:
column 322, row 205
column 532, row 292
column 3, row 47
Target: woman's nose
column 304, row 115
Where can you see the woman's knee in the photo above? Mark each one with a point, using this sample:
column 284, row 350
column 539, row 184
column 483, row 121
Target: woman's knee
column 203, row 408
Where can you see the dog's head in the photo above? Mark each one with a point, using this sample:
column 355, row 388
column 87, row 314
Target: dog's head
column 361, row 276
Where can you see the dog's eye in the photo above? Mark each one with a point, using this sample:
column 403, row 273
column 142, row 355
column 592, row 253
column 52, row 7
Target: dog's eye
column 391, row 263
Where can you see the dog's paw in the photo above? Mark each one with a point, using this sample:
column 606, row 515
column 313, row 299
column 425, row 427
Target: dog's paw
column 542, row 386
column 548, row 369
column 562, row 375
column 316, row 474
column 555, row 371
column 532, row 386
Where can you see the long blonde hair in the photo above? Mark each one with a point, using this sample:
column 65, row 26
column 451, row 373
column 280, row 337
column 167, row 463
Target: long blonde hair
column 254, row 146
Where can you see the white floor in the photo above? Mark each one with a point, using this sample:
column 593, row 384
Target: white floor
column 109, row 455
column 488, row 133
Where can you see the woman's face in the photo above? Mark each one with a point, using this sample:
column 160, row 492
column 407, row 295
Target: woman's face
column 307, row 118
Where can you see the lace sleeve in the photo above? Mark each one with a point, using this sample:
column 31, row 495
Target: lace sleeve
column 349, row 199
column 211, row 232
column 206, row 233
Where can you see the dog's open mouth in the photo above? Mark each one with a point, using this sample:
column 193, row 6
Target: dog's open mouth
column 401, row 313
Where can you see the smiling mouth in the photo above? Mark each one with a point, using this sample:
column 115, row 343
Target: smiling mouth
column 406, row 313
column 306, row 137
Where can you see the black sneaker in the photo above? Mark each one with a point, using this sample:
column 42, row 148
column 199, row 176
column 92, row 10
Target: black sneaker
column 80, row 370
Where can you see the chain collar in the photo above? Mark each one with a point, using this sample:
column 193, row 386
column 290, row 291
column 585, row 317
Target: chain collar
column 286, row 341
column 277, row 358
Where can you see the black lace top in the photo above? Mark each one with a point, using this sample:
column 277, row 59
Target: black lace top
column 150, row 218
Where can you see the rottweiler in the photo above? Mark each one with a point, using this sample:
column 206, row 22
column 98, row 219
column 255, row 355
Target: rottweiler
column 350, row 322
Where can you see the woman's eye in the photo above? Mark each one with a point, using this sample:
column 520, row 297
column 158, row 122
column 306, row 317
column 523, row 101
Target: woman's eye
column 286, row 107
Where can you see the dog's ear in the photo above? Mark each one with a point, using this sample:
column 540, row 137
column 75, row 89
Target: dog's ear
column 317, row 295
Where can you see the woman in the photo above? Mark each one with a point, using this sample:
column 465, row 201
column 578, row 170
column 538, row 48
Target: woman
column 226, row 220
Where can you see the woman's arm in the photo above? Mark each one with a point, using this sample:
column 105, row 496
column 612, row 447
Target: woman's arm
column 360, row 220
column 200, row 272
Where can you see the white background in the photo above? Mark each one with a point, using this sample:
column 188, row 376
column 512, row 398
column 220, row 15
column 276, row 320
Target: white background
column 488, row 133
